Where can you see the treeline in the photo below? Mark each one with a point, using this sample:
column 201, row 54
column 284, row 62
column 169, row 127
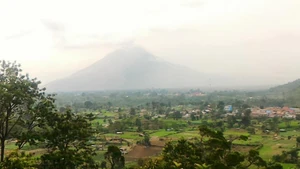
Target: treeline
column 98, row 101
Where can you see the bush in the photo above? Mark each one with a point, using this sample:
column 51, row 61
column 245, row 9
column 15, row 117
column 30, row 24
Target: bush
column 236, row 125
column 141, row 162
column 251, row 130
column 276, row 158
column 16, row 160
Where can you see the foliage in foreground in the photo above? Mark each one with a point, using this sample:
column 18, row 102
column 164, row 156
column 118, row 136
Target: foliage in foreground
column 23, row 106
column 212, row 150
column 67, row 142
column 16, row 160
column 115, row 157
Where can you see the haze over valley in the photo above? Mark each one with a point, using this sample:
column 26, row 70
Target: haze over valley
column 244, row 42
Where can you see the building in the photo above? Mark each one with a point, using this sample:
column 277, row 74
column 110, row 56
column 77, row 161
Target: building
column 228, row 108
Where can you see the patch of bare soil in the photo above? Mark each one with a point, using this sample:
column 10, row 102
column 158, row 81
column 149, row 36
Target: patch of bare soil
column 140, row 151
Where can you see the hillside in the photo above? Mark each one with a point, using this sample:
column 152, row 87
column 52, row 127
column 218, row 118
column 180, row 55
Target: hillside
column 130, row 68
column 286, row 87
column 290, row 92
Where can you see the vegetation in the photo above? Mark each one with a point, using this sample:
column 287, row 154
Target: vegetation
column 140, row 129
column 211, row 150
column 67, row 142
column 114, row 157
column 23, row 105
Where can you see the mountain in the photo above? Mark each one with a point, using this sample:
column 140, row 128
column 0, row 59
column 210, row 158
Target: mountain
column 130, row 68
column 289, row 93
column 289, row 87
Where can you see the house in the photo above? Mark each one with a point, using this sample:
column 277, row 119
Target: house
column 296, row 110
column 268, row 111
column 287, row 109
column 186, row 116
column 207, row 111
column 228, row 108
column 289, row 116
column 230, row 114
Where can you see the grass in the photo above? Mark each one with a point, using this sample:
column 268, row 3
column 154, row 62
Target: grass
column 162, row 133
column 108, row 114
column 11, row 146
column 288, row 166
column 185, row 134
column 293, row 125
column 271, row 146
column 126, row 135
column 100, row 156
column 235, row 132
column 100, row 121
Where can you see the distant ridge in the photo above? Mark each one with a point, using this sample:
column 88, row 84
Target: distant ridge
column 130, row 68
column 286, row 87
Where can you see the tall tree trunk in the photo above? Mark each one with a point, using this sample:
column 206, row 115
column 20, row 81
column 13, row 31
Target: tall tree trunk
column 5, row 131
column 2, row 148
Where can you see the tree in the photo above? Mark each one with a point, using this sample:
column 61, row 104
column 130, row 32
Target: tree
column 212, row 150
column 287, row 157
column 67, row 140
column 117, row 126
column 193, row 118
column 88, row 104
column 246, row 119
column 110, row 122
column 220, row 106
column 109, row 104
column 297, row 116
column 251, row 130
column 103, row 165
column 231, row 120
column 274, row 124
column 287, row 122
column 274, row 166
column 147, row 139
column 119, row 109
column 132, row 111
column 177, row 115
column 138, row 122
column 22, row 103
column 298, row 141
column 114, row 157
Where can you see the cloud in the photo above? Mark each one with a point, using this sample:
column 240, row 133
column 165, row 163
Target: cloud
column 18, row 35
column 68, row 40
column 192, row 3
column 53, row 25
column 99, row 42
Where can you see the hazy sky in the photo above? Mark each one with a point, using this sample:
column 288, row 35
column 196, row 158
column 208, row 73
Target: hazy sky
column 259, row 39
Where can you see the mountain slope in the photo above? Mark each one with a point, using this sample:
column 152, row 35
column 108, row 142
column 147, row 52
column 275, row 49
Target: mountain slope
column 289, row 92
column 131, row 68
column 289, row 87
